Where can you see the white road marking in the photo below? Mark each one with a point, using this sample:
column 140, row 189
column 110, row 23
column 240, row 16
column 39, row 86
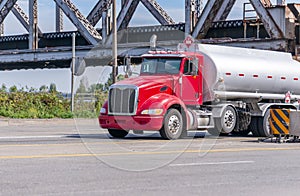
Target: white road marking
column 211, row 163
column 31, row 137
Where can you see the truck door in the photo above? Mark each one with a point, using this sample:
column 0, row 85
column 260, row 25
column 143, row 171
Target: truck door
column 191, row 82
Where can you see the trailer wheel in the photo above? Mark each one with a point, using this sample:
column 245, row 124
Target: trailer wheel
column 263, row 125
column 173, row 125
column 225, row 124
column 117, row 133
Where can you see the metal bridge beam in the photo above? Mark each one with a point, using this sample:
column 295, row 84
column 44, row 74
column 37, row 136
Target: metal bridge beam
column 124, row 17
column 295, row 9
column 188, row 16
column 126, row 13
column 193, row 10
column 270, row 25
column 207, row 17
column 266, row 3
column 158, row 12
column 82, row 24
column 33, row 29
column 59, row 23
column 22, row 17
column 5, row 7
column 224, row 10
column 2, row 29
column 96, row 14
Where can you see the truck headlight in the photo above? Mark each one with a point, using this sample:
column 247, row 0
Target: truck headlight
column 103, row 111
column 152, row 112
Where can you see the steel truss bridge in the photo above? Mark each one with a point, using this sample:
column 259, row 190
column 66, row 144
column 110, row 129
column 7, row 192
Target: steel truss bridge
column 265, row 26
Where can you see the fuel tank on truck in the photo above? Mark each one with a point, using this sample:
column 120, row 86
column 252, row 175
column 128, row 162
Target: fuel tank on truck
column 233, row 69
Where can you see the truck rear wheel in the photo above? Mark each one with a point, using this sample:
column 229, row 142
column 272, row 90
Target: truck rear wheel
column 226, row 123
column 263, row 125
column 173, row 125
column 117, row 133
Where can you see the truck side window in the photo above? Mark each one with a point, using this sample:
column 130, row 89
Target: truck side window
column 188, row 68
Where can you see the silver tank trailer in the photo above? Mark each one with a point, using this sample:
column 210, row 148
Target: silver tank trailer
column 232, row 72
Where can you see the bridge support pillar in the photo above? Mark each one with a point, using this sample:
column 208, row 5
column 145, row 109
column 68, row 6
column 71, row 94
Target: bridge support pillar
column 1, row 29
column 33, row 28
column 193, row 9
column 105, row 25
column 59, row 19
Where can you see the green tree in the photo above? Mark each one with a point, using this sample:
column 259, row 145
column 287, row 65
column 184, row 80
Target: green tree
column 13, row 89
column 95, row 87
column 3, row 88
column 52, row 88
column 82, row 85
column 110, row 80
column 43, row 88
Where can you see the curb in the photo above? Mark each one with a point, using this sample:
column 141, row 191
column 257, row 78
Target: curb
column 28, row 122
column 4, row 123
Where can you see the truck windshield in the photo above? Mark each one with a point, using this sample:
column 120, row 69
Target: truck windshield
column 160, row 66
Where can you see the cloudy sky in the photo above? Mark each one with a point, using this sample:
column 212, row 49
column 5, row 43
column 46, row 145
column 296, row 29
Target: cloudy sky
column 46, row 20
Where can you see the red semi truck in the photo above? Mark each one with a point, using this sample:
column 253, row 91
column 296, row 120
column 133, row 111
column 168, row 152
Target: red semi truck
column 203, row 87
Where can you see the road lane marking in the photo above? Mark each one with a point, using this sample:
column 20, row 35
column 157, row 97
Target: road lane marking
column 31, row 137
column 107, row 141
column 212, row 163
column 143, row 153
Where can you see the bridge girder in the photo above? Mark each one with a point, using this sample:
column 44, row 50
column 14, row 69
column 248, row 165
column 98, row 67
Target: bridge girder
column 207, row 17
column 59, row 23
column 266, row 3
column 216, row 10
column 126, row 13
column 158, row 12
column 269, row 23
column 5, row 8
column 96, row 13
column 33, row 21
column 81, row 23
column 224, row 10
column 22, row 17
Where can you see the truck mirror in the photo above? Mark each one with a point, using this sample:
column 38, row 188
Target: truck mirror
column 194, row 63
column 127, row 68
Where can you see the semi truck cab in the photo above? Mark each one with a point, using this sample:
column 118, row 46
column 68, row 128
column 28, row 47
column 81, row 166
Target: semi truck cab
column 169, row 83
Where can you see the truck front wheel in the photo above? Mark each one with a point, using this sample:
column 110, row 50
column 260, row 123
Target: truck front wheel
column 173, row 125
column 117, row 133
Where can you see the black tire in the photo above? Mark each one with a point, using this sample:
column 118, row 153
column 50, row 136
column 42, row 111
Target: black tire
column 173, row 125
column 263, row 125
column 253, row 126
column 226, row 123
column 117, row 133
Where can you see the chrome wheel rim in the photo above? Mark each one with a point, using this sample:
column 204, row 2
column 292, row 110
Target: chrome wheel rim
column 229, row 119
column 174, row 124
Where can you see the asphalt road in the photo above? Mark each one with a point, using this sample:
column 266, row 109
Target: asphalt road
column 77, row 158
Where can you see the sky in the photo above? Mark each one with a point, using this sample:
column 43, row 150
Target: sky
column 46, row 20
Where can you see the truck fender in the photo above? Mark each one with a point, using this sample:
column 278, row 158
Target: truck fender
column 264, row 107
column 218, row 109
column 167, row 101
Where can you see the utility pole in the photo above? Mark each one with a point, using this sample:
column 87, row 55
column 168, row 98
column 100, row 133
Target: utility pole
column 73, row 71
column 114, row 48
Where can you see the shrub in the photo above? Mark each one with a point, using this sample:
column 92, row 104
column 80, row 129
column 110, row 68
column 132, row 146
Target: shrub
column 34, row 105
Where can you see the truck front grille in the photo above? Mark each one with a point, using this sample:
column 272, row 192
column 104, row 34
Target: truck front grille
column 122, row 100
